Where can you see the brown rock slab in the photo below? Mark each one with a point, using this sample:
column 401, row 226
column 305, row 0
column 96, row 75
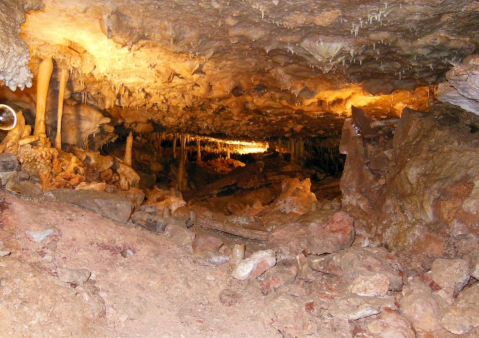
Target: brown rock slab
column 178, row 235
column 289, row 238
column 206, row 243
column 112, row 206
column 334, row 235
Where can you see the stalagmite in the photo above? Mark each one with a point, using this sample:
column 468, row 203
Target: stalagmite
column 198, row 150
column 175, row 139
column 61, row 94
column 228, row 155
column 44, row 74
column 182, row 178
column 128, row 149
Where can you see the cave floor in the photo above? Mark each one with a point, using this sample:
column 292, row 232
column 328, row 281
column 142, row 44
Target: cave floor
column 156, row 291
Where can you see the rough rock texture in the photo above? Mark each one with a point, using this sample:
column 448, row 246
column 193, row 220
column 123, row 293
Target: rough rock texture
column 112, row 206
column 463, row 85
column 334, row 235
column 450, row 274
column 296, row 197
column 354, row 262
column 417, row 188
column 462, row 316
column 236, row 67
column 14, row 53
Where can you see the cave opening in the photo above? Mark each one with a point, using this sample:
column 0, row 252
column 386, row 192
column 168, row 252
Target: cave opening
column 239, row 168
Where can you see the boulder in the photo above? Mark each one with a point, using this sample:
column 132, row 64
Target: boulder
column 334, row 235
column 113, row 206
column 450, row 274
column 422, row 308
column 463, row 315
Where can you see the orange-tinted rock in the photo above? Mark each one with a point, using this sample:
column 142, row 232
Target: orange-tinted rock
column 334, row 235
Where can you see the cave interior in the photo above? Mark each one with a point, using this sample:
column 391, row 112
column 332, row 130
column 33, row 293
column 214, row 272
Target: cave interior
column 255, row 168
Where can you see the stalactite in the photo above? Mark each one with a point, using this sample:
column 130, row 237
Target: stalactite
column 198, row 150
column 44, row 74
column 279, row 146
column 128, row 149
column 228, row 154
column 61, row 94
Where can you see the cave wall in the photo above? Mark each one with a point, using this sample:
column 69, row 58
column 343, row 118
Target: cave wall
column 14, row 53
column 415, row 187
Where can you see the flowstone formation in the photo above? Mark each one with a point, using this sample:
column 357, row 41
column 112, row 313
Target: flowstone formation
column 14, row 53
column 252, row 68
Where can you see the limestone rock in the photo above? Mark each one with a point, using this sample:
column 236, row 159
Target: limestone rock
column 112, row 206
column 25, row 188
column 450, row 274
column 8, row 166
column 420, row 306
column 178, row 235
column 290, row 238
column 389, row 324
column 296, row 197
column 206, row 243
column 354, row 307
column 463, row 316
column 354, row 262
column 209, row 258
column 77, row 277
column 278, row 276
column 255, row 265
column 150, row 221
column 373, row 286
column 334, row 235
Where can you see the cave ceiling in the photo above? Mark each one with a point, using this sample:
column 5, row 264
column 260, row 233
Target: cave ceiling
column 252, row 68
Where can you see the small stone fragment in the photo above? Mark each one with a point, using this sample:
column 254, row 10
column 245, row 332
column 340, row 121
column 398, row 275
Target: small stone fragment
column 206, row 243
column 254, row 266
column 38, row 237
column 210, row 258
column 4, row 253
column 77, row 277
column 180, row 236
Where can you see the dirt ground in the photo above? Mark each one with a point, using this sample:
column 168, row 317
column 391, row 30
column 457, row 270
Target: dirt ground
column 141, row 284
